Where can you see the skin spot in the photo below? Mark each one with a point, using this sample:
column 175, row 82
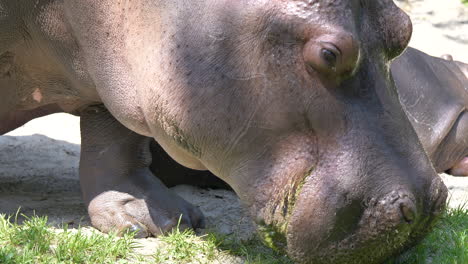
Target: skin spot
column 52, row 22
column 6, row 63
column 37, row 95
column 5, row 70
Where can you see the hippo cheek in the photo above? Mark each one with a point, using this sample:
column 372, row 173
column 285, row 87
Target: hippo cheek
column 331, row 224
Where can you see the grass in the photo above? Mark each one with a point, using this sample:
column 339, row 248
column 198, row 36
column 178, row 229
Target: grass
column 252, row 251
column 186, row 247
column 446, row 244
column 34, row 241
column 465, row 2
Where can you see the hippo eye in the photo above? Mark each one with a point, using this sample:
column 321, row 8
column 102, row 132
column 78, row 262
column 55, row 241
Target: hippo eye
column 334, row 56
column 323, row 57
column 329, row 57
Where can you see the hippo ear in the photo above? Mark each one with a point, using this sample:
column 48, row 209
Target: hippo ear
column 395, row 25
column 333, row 54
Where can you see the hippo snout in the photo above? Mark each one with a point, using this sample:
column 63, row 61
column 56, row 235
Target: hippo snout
column 342, row 228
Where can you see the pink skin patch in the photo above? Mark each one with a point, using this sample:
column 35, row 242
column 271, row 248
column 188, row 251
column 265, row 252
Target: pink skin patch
column 37, row 95
column 461, row 168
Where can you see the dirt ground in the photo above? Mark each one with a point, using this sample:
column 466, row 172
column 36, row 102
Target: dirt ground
column 439, row 26
column 39, row 161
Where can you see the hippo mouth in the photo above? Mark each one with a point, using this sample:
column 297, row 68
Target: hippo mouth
column 379, row 234
column 442, row 159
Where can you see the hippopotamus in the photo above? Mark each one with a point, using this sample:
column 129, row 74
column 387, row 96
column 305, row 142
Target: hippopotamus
column 291, row 102
column 434, row 94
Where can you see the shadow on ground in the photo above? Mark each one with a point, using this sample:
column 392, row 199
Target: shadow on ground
column 40, row 175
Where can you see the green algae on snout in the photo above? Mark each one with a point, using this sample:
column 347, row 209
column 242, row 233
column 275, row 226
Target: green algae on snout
column 274, row 227
column 273, row 237
column 295, row 194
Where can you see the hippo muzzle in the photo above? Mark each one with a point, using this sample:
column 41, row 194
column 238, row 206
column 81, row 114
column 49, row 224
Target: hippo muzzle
column 366, row 197
column 338, row 227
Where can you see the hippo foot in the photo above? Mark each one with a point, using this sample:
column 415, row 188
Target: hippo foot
column 145, row 206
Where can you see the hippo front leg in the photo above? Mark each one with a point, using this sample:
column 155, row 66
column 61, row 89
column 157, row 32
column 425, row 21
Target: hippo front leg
column 118, row 188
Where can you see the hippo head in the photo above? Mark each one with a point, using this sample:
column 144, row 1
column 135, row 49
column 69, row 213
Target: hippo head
column 291, row 102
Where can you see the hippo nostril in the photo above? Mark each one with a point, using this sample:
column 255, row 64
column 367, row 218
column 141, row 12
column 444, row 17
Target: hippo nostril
column 397, row 207
column 407, row 212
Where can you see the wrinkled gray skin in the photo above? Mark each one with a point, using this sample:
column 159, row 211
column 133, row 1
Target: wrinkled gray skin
column 290, row 102
column 434, row 94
